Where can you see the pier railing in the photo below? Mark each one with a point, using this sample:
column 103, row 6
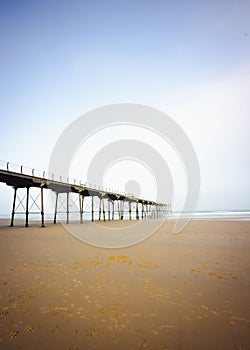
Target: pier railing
column 22, row 169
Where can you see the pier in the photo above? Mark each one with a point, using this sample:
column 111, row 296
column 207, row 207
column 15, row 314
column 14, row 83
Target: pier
column 103, row 204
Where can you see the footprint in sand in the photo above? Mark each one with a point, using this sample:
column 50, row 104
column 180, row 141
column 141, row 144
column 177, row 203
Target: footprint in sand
column 3, row 314
column 166, row 326
column 230, row 323
column 14, row 334
column 52, row 330
column 91, row 332
column 29, row 329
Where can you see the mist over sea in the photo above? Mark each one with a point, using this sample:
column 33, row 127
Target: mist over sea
column 198, row 215
column 216, row 214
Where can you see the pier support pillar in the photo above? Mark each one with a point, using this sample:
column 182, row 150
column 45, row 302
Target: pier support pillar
column 42, row 208
column 92, row 209
column 13, row 207
column 100, row 208
column 103, row 209
column 129, row 209
column 119, row 209
column 67, row 207
column 55, row 214
column 81, row 201
column 109, row 214
column 113, row 210
column 122, row 209
column 137, row 211
column 27, row 208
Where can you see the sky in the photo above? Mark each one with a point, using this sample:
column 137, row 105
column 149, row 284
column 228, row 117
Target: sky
column 189, row 59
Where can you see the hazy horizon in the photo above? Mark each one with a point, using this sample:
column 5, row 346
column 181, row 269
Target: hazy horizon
column 190, row 60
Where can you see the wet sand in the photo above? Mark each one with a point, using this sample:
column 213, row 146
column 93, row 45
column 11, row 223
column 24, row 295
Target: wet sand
column 186, row 291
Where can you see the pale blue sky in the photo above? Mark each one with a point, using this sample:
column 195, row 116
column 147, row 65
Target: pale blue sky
column 190, row 59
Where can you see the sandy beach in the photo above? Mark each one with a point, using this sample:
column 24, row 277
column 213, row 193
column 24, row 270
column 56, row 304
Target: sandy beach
column 186, row 291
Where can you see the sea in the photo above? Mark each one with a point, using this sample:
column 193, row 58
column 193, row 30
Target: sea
column 242, row 215
column 218, row 214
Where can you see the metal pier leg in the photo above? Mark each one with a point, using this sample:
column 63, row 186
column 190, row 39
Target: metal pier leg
column 142, row 211
column 67, row 210
column 13, row 207
column 119, row 209
column 103, row 209
column 122, row 209
column 109, row 209
column 129, row 209
column 137, row 211
column 42, row 208
column 113, row 210
column 100, row 209
column 56, row 208
column 92, row 208
column 27, row 208
column 81, row 198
